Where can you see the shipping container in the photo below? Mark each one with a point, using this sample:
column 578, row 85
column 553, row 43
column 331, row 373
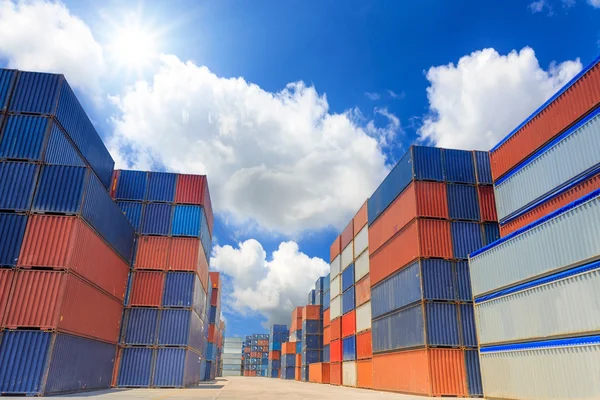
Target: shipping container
column 157, row 219
column 467, row 325
column 348, row 303
column 335, row 348
column 487, row 203
column 6, row 280
column 187, row 220
column 335, row 287
column 336, row 307
column 183, row 289
column 364, row 374
column 335, row 373
column 349, row 348
column 161, row 186
column 147, row 288
column 420, row 238
column 362, row 291
column 347, row 255
column 552, row 369
column 463, row 281
column 549, row 245
column 459, row 166
column 473, row 373
column 361, row 266
column 550, row 168
column 24, row 137
column 7, row 78
column 152, row 252
column 348, row 324
column 348, row 278
column 12, row 230
column 463, row 203
column 136, row 367
column 361, row 219
column 130, row 185
column 181, row 328
column 17, row 183
column 133, row 212
column 190, row 189
column 467, row 237
column 318, row 372
column 431, row 372
column 140, row 326
column 363, row 317
column 349, row 374
column 483, row 167
column 60, row 150
column 364, row 345
column 575, row 99
column 311, row 313
column 335, row 267
column 335, row 249
column 62, row 301
column 361, row 241
column 176, row 368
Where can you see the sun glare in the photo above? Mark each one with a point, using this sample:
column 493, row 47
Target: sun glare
column 134, row 48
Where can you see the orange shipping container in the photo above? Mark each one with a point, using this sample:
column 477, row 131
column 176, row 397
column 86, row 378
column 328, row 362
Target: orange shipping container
column 420, row 238
column 263, row 343
column 349, row 324
column 364, row 345
column 576, row 192
column 288, row 348
column 362, row 290
column 152, row 252
column 298, row 373
column 430, row 372
column 311, row 313
column 6, row 280
column 297, row 313
column 326, row 321
column 347, row 234
column 335, row 249
column 364, row 374
column 335, row 373
column 336, row 329
column 335, row 350
column 69, row 243
column 326, row 335
column 247, row 350
column 184, row 254
column 58, row 300
column 211, row 333
column 203, row 268
column 298, row 359
column 361, row 218
column 215, row 278
column 419, row 199
column 274, row 355
column 487, row 203
column 580, row 98
column 318, row 372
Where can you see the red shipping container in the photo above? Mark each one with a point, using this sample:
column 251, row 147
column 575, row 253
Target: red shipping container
column 362, row 290
column 6, row 280
column 146, row 288
column 364, row 374
column 361, row 218
column 335, row 249
column 335, row 373
column 215, row 278
column 59, row 300
column 487, row 203
column 364, row 345
column 576, row 192
column 419, row 199
column 297, row 313
column 211, row 333
column 311, row 313
column 336, row 328
column 347, row 234
column 184, row 253
column 190, row 189
column 349, row 324
column 326, row 321
column 420, row 238
column 576, row 101
column 152, row 252
column 326, row 335
column 274, row 355
column 263, row 343
column 63, row 242
column 335, row 350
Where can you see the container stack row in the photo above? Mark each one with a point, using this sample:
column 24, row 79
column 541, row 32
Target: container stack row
column 279, row 335
column 312, row 337
column 165, row 324
column 220, row 341
column 65, row 246
column 256, row 354
column 536, row 289
column 288, row 360
column 232, row 356
column 434, row 208
column 214, row 328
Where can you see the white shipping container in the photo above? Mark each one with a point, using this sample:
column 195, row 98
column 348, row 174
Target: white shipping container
column 349, row 373
column 569, row 372
column 363, row 317
column 551, row 169
column 361, row 241
column 231, row 373
column 361, row 266
column 568, row 239
column 347, row 255
column 335, row 266
column 335, row 308
column 335, row 288
column 563, row 307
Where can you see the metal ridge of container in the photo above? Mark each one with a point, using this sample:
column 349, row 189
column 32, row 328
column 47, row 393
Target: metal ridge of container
column 539, row 282
column 540, row 221
column 547, row 103
column 544, row 344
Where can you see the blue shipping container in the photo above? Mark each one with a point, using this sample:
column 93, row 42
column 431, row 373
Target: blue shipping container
column 466, row 238
column 133, row 213
column 442, row 324
column 326, row 300
column 467, row 322
column 437, row 279
column 459, row 166
column 17, row 183
column 183, row 289
column 186, row 221
column 474, row 384
column 407, row 325
column 483, row 167
column 35, row 92
column 139, row 326
column 205, row 236
column 311, row 298
column 298, row 347
column 326, row 354
column 348, row 277
column 161, row 186
column 311, row 356
column 24, row 137
column 169, row 367
column 349, row 348
column 312, row 327
column 491, row 233
column 12, row 230
column 288, row 373
column 131, row 185
column 397, row 291
column 463, row 203
column 348, row 300
column 312, row 342
column 463, row 280
column 7, row 78
column 179, row 327
column 60, row 150
column 135, row 369
column 193, row 368
column 157, row 219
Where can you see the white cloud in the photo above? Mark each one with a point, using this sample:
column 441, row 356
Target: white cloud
column 537, row 6
column 45, row 36
column 594, row 3
column 282, row 160
column 477, row 102
column 395, row 95
column 372, row 96
column 569, row 3
column 272, row 286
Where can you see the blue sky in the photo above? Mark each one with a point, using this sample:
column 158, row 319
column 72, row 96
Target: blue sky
column 293, row 166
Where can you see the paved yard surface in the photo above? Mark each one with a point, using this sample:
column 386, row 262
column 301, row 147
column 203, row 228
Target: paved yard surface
column 231, row 388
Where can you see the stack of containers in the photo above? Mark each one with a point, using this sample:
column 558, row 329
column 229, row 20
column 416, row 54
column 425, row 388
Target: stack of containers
column 279, row 335
column 312, row 338
column 326, row 321
column 319, row 292
column 319, row 371
column 296, row 338
column 433, row 209
column 164, row 333
column 536, row 289
column 263, row 353
column 232, row 356
column 311, row 301
column 248, row 367
column 288, row 360
column 219, row 356
column 64, row 244
column 348, row 307
column 335, row 313
column 213, row 331
column 256, row 354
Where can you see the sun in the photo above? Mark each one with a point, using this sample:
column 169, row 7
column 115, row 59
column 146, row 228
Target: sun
column 134, row 48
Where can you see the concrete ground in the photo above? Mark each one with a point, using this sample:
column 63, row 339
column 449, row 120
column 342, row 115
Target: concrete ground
column 246, row 388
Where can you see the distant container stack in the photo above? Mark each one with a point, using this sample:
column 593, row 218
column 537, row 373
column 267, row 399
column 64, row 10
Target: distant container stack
column 312, row 338
column 536, row 289
column 434, row 208
column 220, row 344
column 279, row 335
column 64, row 244
column 214, row 328
column 232, row 356
column 164, row 334
column 318, row 366
column 335, row 314
column 296, row 338
column 256, row 355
